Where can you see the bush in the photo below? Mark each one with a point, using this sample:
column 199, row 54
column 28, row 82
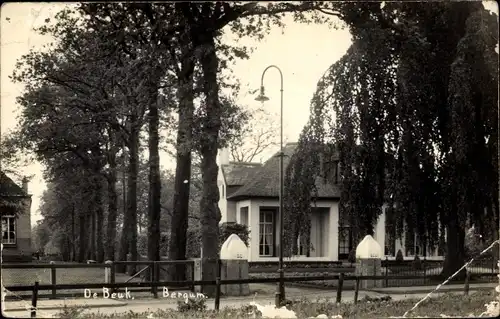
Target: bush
column 352, row 256
column 225, row 230
column 447, row 304
column 68, row 312
column 399, row 256
column 192, row 304
column 417, row 263
column 142, row 244
column 193, row 243
column 474, row 244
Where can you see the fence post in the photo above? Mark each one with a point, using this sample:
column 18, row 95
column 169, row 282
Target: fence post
column 356, row 290
column 155, row 279
column 423, row 264
column 151, row 275
column 217, row 287
column 112, row 275
column 386, row 271
column 107, row 271
column 34, row 299
column 339, row 287
column 192, row 276
column 53, row 280
column 467, row 278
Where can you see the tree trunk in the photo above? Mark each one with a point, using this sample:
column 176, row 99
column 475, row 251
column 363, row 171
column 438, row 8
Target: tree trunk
column 179, row 223
column 93, row 224
column 73, row 234
column 455, row 251
column 133, row 171
column 82, row 242
column 210, row 213
column 99, row 216
column 88, row 228
column 124, row 246
column 154, row 205
column 112, row 206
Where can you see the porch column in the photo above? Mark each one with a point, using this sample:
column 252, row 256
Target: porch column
column 253, row 222
column 380, row 231
column 333, row 245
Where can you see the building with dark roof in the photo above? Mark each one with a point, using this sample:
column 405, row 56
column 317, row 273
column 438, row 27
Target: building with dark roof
column 15, row 214
column 249, row 195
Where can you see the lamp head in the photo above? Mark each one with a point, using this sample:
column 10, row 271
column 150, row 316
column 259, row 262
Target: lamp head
column 262, row 96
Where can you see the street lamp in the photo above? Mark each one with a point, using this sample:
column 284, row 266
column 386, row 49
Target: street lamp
column 280, row 289
column 498, row 167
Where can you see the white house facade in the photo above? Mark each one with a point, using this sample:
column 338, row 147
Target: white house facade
column 249, row 196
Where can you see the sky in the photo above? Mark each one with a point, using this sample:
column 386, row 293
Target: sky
column 302, row 52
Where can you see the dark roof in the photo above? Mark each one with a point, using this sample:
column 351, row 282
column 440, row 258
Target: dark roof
column 265, row 182
column 238, row 174
column 9, row 188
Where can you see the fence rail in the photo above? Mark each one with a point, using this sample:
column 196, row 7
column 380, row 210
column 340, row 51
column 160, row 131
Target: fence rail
column 51, row 274
column 393, row 273
column 187, row 283
column 217, row 282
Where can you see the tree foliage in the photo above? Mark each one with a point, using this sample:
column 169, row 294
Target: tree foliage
column 412, row 110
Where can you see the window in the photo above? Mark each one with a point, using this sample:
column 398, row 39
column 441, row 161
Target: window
column 336, row 172
column 302, row 247
column 345, row 237
column 390, row 241
column 390, row 234
column 222, row 191
column 244, row 215
column 330, row 170
column 413, row 244
column 8, row 229
column 345, row 242
column 266, row 233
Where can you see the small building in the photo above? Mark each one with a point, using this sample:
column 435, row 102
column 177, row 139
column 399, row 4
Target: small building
column 15, row 213
column 249, row 196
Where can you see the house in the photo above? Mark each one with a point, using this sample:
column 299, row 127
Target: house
column 15, row 212
column 249, row 196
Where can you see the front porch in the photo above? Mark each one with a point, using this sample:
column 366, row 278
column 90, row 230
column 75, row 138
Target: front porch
column 329, row 241
column 262, row 218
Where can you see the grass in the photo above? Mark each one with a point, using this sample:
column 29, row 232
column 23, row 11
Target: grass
column 27, row 277
column 447, row 304
column 23, row 276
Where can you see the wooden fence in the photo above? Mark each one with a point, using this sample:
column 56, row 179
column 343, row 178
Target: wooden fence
column 153, row 284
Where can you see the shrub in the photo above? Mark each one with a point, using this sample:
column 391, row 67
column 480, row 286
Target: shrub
column 399, row 256
column 383, row 307
column 475, row 243
column 142, row 244
column 352, row 256
column 193, row 243
column 68, row 312
column 417, row 263
column 191, row 304
column 226, row 229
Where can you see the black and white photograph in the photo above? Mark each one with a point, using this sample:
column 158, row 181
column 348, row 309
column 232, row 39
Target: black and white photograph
column 250, row 159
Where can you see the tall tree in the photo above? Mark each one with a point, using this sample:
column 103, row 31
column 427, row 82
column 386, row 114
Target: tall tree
column 113, row 102
column 420, row 141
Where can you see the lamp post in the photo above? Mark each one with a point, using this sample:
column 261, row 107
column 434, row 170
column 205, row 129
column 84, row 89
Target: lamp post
column 280, row 289
column 498, row 168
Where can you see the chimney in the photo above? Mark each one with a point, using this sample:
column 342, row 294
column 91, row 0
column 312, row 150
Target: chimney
column 25, row 184
column 223, row 156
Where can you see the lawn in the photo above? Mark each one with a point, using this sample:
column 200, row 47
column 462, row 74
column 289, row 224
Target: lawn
column 21, row 277
column 27, row 277
column 448, row 305
column 399, row 282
